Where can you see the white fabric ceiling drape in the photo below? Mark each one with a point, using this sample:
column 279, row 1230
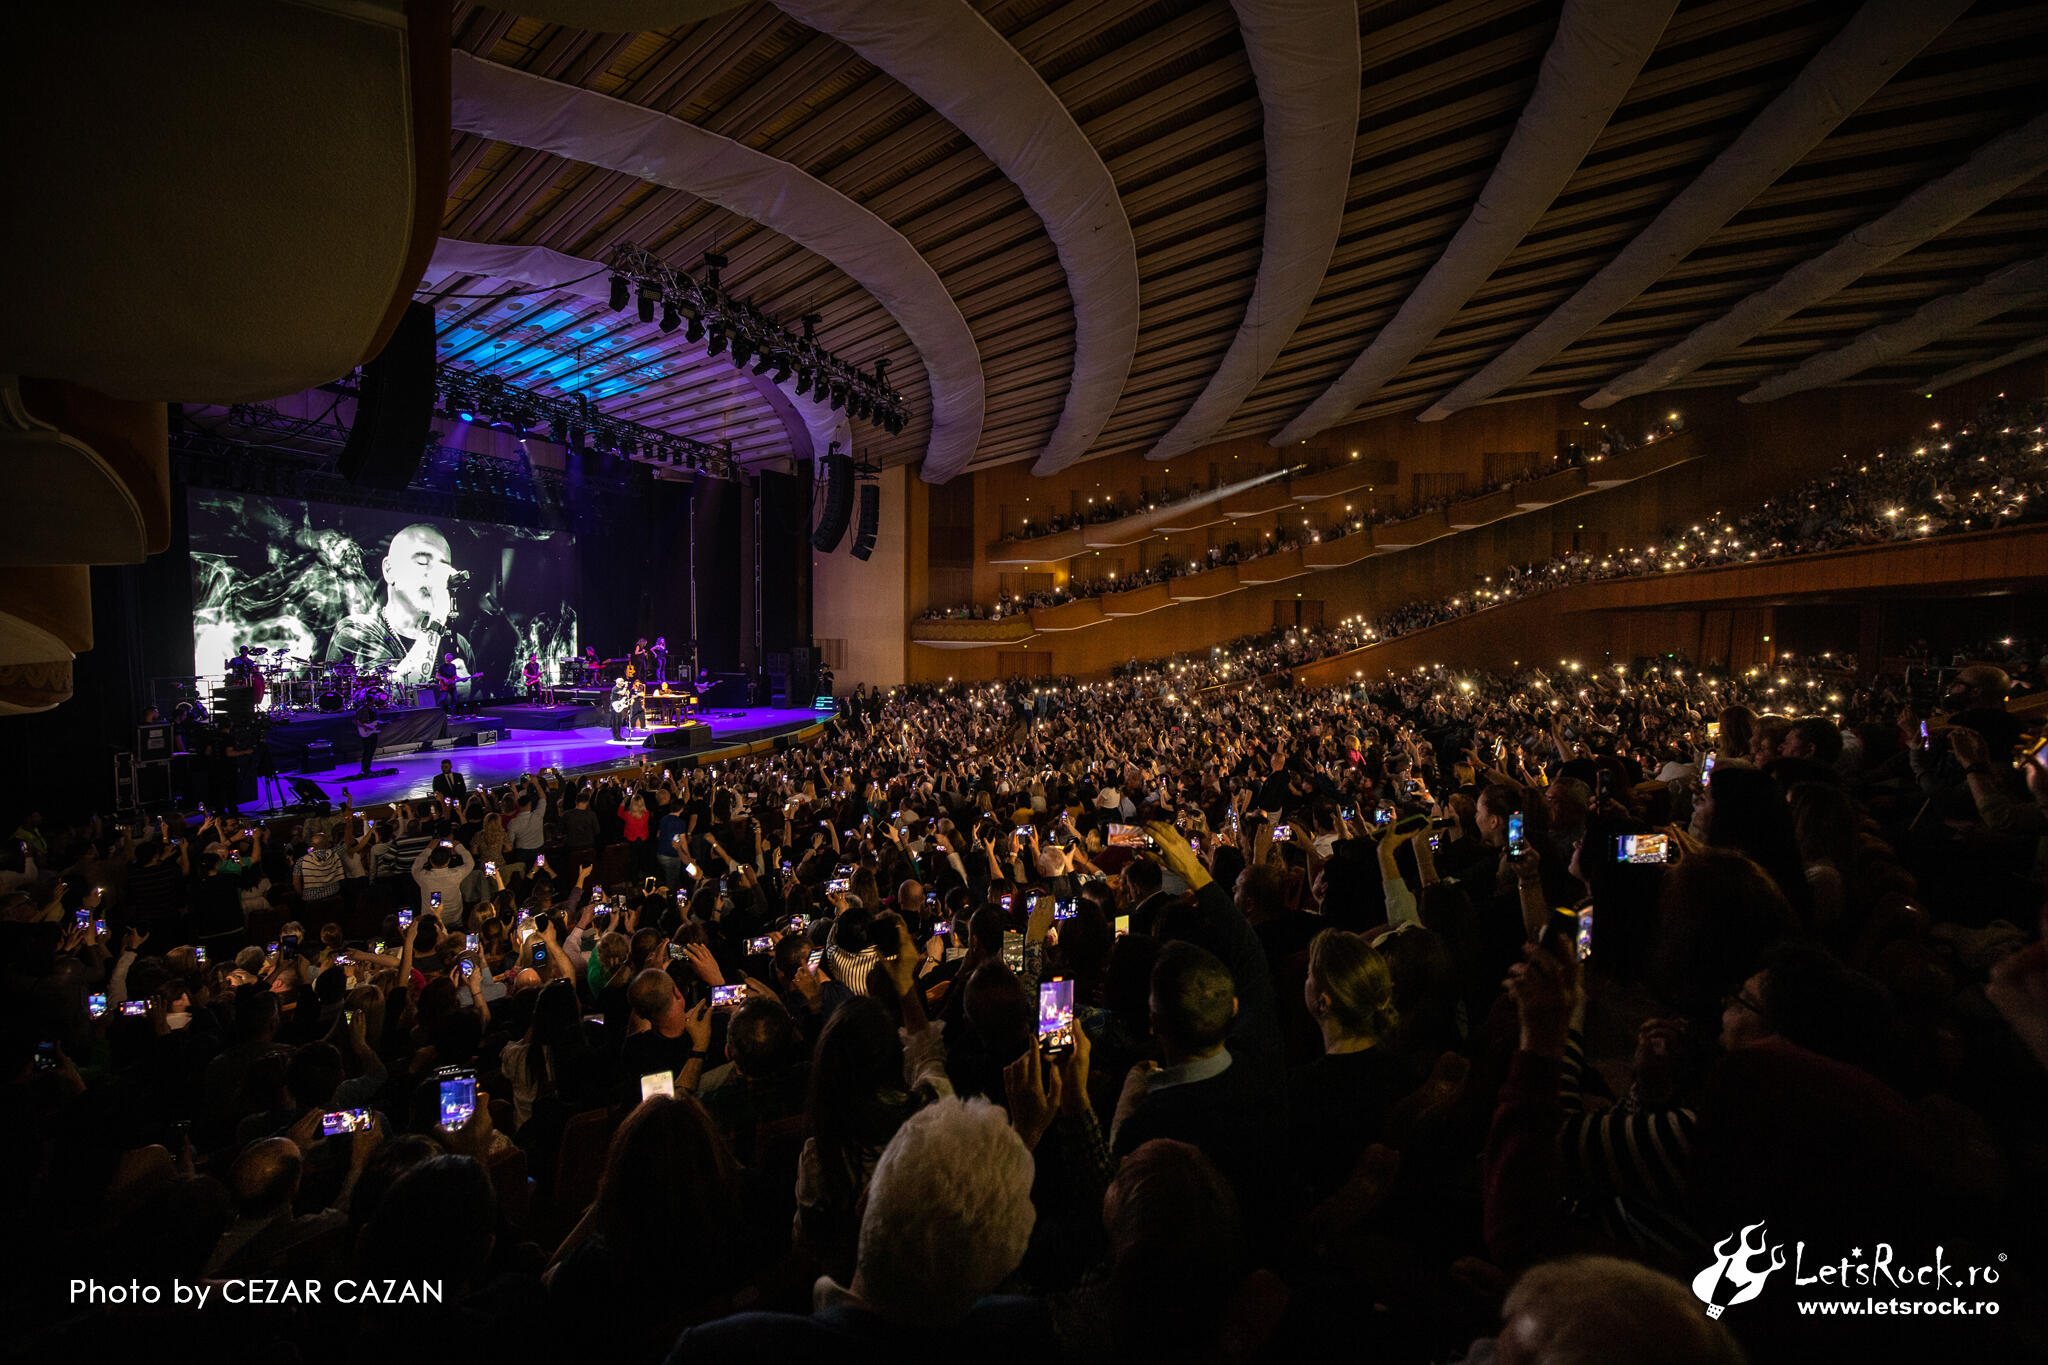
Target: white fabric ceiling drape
column 1304, row 54
column 531, row 111
column 1599, row 49
column 1998, row 168
column 1880, row 38
column 2020, row 282
column 950, row 57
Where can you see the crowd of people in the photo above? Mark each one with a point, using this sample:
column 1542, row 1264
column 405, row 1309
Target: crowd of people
column 1170, row 566
column 1441, row 1017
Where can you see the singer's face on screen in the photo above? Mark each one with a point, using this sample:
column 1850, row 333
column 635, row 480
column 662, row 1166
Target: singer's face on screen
column 416, row 570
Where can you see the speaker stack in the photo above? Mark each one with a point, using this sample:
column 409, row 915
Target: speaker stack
column 394, row 406
column 870, row 515
column 838, row 511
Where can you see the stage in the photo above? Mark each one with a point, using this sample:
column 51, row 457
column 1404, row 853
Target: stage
column 577, row 751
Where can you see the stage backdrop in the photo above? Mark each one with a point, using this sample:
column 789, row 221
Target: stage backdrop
column 323, row 583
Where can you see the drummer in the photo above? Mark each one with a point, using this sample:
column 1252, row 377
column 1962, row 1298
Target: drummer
column 242, row 665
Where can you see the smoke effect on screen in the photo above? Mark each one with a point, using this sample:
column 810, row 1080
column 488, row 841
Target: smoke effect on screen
column 323, row 583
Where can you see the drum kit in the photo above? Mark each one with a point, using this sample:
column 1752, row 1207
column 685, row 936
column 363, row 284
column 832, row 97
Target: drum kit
column 285, row 684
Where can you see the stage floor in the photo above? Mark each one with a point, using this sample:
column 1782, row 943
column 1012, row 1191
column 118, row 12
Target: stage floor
column 587, row 749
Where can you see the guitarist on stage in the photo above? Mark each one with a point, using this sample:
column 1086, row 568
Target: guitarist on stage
column 620, row 700
column 447, row 678
column 367, row 726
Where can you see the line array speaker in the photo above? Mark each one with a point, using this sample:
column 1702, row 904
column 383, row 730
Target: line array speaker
column 870, row 514
column 838, row 504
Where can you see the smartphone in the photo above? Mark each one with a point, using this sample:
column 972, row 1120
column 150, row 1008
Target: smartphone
column 288, row 946
column 1007, row 901
column 1065, row 908
column 728, row 997
column 1022, row 831
column 816, row 959
column 839, row 884
column 1642, row 848
column 1013, row 949
column 434, row 900
column 1585, row 936
column 540, row 954
column 1056, row 1016
column 1923, row 732
column 1129, row 836
column 134, row 1009
column 46, row 1056
column 676, row 953
column 1347, row 813
column 1517, row 845
column 1123, row 925
column 942, row 928
column 405, row 919
column 99, row 926
column 1707, row 768
column 458, row 1098
column 96, row 1005
column 540, row 860
column 343, row 1121
column 2037, row 752
column 1282, row 833
column 658, row 1083
column 490, row 869
column 1385, row 814
column 199, row 953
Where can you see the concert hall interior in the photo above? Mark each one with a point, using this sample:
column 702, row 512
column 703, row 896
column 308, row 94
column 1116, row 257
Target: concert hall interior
column 1116, row 680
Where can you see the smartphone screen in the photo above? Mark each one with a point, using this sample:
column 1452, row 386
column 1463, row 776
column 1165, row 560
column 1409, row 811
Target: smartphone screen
column 1642, row 848
column 1517, row 846
column 839, row 884
column 1585, row 938
column 727, row 997
column 434, row 900
column 1056, row 1016
column 816, row 959
column 1065, row 908
column 658, row 1083
column 1123, row 925
column 134, row 1008
column 458, row 1099
column 1282, row 833
column 96, row 1005
column 405, row 919
column 942, row 928
column 345, row 1121
column 763, row 944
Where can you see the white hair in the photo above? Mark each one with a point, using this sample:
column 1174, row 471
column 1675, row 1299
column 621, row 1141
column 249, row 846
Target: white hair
column 949, row 1213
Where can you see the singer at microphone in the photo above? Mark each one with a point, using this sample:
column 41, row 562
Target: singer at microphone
column 412, row 629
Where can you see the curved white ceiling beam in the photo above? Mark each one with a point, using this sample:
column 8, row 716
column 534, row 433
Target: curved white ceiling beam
column 949, row 57
column 1880, row 38
column 1599, row 50
column 2021, row 282
column 540, row 267
column 2000, row 166
column 2025, row 351
column 531, row 111
column 1304, row 54
column 621, row 16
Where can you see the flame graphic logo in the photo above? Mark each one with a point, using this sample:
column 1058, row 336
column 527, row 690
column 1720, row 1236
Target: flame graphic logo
column 1732, row 1270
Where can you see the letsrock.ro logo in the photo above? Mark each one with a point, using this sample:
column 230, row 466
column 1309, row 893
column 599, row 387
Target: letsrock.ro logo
column 1741, row 1266
column 1732, row 1276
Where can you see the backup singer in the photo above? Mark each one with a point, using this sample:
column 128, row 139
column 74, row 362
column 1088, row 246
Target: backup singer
column 531, row 674
column 660, row 653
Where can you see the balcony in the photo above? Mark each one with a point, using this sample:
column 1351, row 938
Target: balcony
column 1339, row 479
column 1076, row 615
column 1471, row 512
column 1273, row 568
column 1335, row 554
column 1407, row 534
column 969, row 634
column 1258, row 499
column 1648, row 458
column 1209, row 583
column 1039, row 549
column 1137, row 601
column 1565, row 483
column 1113, row 534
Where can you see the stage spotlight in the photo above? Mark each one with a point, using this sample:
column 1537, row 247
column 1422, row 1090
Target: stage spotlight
column 717, row 342
column 838, row 396
column 619, row 292
column 649, row 296
column 693, row 330
column 765, row 362
column 742, row 348
column 781, row 374
column 558, row 430
column 671, row 316
column 803, row 380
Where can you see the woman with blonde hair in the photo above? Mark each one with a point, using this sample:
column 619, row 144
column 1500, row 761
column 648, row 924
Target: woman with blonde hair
column 1340, row 1101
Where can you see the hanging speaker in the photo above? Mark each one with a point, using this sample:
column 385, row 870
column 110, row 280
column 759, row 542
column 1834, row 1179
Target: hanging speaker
column 870, row 516
column 838, row 504
column 394, row 406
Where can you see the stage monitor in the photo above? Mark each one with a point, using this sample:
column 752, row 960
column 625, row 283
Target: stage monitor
column 378, row 589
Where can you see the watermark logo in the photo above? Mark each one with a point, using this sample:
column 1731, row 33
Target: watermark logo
column 1732, row 1278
